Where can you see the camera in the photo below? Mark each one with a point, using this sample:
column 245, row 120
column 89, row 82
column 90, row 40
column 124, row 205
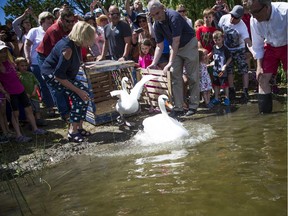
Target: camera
column 139, row 30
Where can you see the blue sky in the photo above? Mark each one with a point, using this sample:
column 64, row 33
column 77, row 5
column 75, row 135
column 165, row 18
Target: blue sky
column 2, row 14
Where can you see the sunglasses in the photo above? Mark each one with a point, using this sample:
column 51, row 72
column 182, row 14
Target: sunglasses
column 156, row 14
column 142, row 20
column 114, row 14
column 181, row 11
column 69, row 21
column 234, row 17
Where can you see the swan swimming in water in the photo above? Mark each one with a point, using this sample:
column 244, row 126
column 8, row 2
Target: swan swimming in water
column 161, row 127
column 128, row 103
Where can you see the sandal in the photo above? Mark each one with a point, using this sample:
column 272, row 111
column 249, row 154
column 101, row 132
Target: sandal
column 77, row 137
column 83, row 132
column 23, row 139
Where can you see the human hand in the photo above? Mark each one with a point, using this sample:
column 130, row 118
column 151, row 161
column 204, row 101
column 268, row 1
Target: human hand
column 7, row 96
column 121, row 59
column 151, row 66
column 99, row 58
column 83, row 95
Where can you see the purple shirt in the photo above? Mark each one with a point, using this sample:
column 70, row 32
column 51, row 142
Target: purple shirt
column 10, row 79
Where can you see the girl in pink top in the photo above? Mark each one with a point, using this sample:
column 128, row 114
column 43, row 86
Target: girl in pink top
column 15, row 94
column 146, row 53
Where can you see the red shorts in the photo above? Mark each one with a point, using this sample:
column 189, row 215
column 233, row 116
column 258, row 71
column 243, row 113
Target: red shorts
column 272, row 58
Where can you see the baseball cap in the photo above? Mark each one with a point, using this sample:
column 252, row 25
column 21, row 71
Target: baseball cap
column 55, row 10
column 98, row 10
column 237, row 11
column 88, row 16
column 3, row 46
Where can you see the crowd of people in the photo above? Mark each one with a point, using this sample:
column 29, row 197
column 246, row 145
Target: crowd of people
column 39, row 64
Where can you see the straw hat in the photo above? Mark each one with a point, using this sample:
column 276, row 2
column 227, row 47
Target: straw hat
column 101, row 17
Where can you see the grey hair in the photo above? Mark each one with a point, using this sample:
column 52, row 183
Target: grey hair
column 154, row 4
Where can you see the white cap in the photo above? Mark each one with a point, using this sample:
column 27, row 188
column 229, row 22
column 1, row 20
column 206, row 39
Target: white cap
column 98, row 10
column 2, row 45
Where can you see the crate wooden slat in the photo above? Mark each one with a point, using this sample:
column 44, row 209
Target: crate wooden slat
column 102, row 78
column 154, row 88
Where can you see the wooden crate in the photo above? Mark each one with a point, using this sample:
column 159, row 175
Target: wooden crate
column 154, row 88
column 101, row 78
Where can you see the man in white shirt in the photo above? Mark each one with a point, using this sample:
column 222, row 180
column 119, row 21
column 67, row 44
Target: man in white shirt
column 269, row 36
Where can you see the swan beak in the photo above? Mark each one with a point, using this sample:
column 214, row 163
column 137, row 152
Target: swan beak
column 168, row 104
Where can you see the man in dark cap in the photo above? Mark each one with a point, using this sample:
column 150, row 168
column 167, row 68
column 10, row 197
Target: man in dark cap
column 235, row 37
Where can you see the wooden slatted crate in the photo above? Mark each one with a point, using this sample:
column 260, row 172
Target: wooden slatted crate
column 156, row 87
column 101, row 78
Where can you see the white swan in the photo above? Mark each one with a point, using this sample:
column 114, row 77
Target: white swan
column 128, row 103
column 161, row 127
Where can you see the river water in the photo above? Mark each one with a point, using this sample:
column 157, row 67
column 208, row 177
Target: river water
column 232, row 164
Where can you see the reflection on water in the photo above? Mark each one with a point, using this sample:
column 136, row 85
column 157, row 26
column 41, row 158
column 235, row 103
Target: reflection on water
column 234, row 164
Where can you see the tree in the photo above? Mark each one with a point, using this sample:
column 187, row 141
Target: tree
column 15, row 8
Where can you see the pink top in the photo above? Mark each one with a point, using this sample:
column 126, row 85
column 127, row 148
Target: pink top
column 145, row 61
column 10, row 79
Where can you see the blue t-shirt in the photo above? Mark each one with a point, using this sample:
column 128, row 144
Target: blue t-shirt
column 57, row 65
column 174, row 25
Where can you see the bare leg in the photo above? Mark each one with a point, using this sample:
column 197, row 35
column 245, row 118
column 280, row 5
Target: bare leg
column 30, row 117
column 15, row 123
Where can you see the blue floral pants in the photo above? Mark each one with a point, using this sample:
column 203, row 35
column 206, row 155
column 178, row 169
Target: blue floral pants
column 79, row 107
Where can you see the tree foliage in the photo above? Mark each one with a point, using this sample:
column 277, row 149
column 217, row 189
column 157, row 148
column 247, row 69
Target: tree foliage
column 15, row 8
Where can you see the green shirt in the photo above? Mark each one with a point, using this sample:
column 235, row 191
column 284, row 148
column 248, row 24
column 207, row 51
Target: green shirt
column 29, row 81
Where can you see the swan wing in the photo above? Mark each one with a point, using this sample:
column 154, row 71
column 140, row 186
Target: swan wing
column 116, row 93
column 138, row 88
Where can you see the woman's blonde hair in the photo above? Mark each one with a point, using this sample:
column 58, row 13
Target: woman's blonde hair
column 82, row 33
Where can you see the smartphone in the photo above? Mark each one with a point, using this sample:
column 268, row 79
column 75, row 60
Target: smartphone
column 139, row 30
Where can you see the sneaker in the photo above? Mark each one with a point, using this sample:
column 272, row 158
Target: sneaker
column 41, row 122
column 176, row 113
column 39, row 131
column 226, row 102
column 215, row 101
column 190, row 112
column 3, row 139
column 23, row 139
